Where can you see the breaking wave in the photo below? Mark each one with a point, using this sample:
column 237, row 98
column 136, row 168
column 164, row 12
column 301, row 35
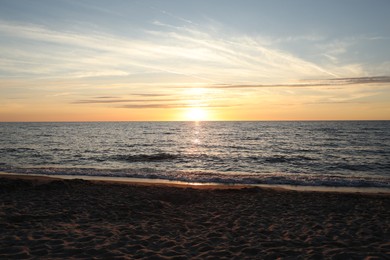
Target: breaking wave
column 211, row 176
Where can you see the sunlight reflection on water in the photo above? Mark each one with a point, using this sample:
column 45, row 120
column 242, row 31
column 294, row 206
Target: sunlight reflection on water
column 204, row 151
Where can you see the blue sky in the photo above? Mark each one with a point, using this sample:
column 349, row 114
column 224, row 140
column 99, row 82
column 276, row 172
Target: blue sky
column 285, row 59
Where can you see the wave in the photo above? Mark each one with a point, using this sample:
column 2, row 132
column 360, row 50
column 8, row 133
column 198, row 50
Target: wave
column 159, row 157
column 169, row 157
column 212, row 177
column 16, row 150
column 281, row 158
column 146, row 157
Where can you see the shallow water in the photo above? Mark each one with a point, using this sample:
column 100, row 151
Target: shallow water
column 323, row 153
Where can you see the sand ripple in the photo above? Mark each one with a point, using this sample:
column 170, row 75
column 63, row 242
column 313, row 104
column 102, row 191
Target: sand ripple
column 85, row 220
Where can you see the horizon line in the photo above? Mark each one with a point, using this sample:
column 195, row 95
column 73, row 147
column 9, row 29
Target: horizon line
column 200, row 121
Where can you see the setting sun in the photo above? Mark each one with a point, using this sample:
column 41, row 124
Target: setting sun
column 130, row 62
column 152, row 98
column 196, row 114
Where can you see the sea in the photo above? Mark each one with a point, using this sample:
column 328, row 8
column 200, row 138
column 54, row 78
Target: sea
column 300, row 153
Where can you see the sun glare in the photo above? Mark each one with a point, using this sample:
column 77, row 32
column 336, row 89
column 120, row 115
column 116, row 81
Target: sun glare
column 196, row 114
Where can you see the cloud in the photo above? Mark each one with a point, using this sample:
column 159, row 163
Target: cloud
column 155, row 69
column 243, row 54
column 333, row 102
column 149, row 95
column 314, row 83
column 199, row 54
column 145, row 106
column 156, row 103
column 110, row 101
column 333, row 49
column 176, row 105
column 361, row 80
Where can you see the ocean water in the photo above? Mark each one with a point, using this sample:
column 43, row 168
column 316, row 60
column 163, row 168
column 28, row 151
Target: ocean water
column 321, row 153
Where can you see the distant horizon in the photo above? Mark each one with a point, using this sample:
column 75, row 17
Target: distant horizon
column 220, row 60
column 202, row 121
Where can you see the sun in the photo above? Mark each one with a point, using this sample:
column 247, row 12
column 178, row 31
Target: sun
column 196, row 114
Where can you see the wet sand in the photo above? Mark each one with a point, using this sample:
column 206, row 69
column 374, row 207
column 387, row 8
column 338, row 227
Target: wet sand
column 57, row 219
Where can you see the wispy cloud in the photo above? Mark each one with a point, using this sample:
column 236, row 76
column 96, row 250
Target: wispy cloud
column 105, row 97
column 333, row 102
column 246, row 56
column 361, row 80
column 201, row 56
column 178, row 102
column 176, row 105
column 110, row 101
column 149, row 94
column 152, row 105
column 313, row 83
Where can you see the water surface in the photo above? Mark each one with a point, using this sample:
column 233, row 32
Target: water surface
column 328, row 153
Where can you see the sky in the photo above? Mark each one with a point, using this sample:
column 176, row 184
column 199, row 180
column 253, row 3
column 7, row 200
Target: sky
column 163, row 60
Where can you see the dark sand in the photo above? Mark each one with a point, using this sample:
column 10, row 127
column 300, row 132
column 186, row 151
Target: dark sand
column 64, row 219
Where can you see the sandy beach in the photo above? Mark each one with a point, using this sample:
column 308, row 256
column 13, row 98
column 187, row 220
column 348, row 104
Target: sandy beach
column 64, row 219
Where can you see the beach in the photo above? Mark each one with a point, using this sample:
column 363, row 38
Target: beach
column 42, row 217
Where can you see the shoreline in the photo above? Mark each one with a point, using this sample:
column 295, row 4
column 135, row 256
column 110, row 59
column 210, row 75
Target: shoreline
column 45, row 217
column 199, row 185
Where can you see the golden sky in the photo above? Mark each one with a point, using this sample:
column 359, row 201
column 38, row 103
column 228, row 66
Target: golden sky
column 193, row 60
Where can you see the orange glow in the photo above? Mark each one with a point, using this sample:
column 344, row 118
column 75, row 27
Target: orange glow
column 196, row 114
